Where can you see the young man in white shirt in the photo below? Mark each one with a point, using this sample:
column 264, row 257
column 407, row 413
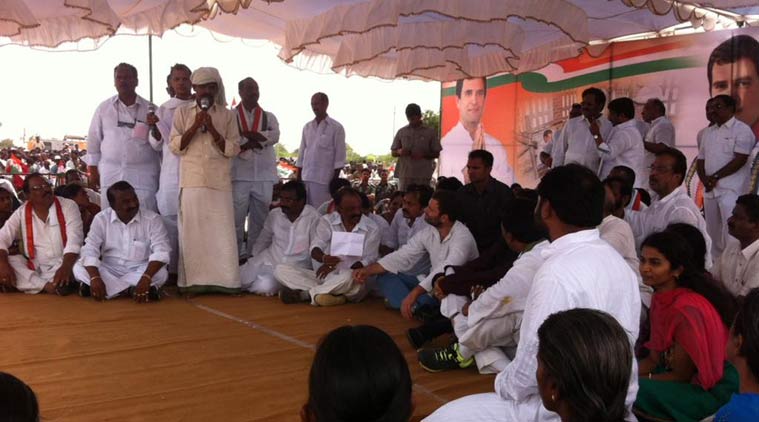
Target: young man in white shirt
column 624, row 146
column 577, row 144
column 321, row 154
column 51, row 230
column 738, row 266
column 580, row 271
column 446, row 242
column 331, row 283
column 126, row 250
column 723, row 166
column 254, row 170
column 285, row 239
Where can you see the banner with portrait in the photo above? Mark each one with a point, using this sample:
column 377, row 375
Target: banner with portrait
column 512, row 117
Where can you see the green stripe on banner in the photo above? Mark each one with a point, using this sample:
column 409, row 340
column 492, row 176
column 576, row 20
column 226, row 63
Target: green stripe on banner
column 537, row 82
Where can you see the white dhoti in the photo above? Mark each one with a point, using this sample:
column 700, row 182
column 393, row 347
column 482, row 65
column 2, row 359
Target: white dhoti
column 317, row 193
column 118, row 278
column 338, row 282
column 257, row 275
column 716, row 212
column 208, row 249
column 172, row 229
column 252, row 200
column 33, row 281
column 490, row 407
column 488, row 340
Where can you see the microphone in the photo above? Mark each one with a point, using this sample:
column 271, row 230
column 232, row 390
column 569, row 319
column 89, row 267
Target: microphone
column 205, row 104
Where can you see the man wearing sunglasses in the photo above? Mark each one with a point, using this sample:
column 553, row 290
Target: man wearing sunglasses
column 117, row 143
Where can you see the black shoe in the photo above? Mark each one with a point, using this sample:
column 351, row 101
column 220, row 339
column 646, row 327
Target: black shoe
column 68, row 289
column 416, row 338
column 84, row 290
column 426, row 313
column 444, row 358
column 154, row 295
column 289, row 296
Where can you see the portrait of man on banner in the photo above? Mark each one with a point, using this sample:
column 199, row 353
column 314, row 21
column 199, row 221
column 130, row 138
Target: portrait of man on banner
column 469, row 134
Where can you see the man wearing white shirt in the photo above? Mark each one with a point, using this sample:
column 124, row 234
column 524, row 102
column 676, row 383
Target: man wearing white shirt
column 738, row 266
column 343, row 241
column 659, row 136
column 624, row 146
column 285, row 239
column 488, row 326
column 408, row 221
column 321, row 155
column 446, row 242
column 469, row 134
column 556, row 147
column 51, row 229
column 633, row 198
column 167, row 198
column 577, row 144
column 254, row 170
column 723, row 166
column 117, row 143
column 671, row 205
column 579, row 271
column 127, row 249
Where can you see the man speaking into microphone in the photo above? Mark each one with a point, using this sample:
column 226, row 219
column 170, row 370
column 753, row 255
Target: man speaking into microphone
column 206, row 137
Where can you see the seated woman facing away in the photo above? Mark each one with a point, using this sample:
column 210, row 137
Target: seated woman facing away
column 358, row 374
column 584, row 377
column 686, row 376
column 743, row 352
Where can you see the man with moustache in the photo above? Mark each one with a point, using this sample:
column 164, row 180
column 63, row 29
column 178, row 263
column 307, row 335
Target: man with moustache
column 578, row 140
column 51, row 233
column 160, row 122
column 117, row 142
column 447, row 242
column 254, row 170
column 205, row 135
column 285, row 239
column 332, row 282
column 469, row 134
column 416, row 146
column 126, row 250
column 321, row 154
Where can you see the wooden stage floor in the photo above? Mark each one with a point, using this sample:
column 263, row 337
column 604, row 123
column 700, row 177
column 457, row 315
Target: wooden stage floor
column 210, row 358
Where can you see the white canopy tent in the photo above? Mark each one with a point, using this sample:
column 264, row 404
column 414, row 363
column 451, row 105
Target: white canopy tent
column 418, row 39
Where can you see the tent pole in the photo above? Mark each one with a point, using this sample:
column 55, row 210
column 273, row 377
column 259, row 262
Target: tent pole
column 150, row 64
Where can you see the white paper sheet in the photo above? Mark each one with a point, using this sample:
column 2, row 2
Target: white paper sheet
column 349, row 247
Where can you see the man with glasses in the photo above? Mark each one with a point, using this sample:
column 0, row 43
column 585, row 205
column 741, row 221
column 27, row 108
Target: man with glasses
column 117, row 143
column 672, row 204
column 722, row 166
column 50, row 229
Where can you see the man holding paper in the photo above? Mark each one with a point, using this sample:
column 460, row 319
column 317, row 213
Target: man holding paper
column 343, row 241
column 448, row 243
column 117, row 143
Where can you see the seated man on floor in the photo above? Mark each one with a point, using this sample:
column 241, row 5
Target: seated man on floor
column 384, row 227
column 285, row 239
column 488, row 326
column 343, row 241
column 51, row 232
column 126, row 250
column 447, row 242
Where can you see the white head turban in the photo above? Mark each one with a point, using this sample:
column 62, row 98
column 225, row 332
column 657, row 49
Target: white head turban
column 207, row 75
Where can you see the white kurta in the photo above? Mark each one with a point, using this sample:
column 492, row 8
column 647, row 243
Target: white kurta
column 738, row 268
column 580, row 271
column 458, row 248
column 624, row 147
column 119, row 154
column 576, row 143
column 677, row 207
column 617, row 233
column 457, row 144
column 662, row 131
column 122, row 252
column 281, row 242
column 322, row 151
column 48, row 243
column 339, row 281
